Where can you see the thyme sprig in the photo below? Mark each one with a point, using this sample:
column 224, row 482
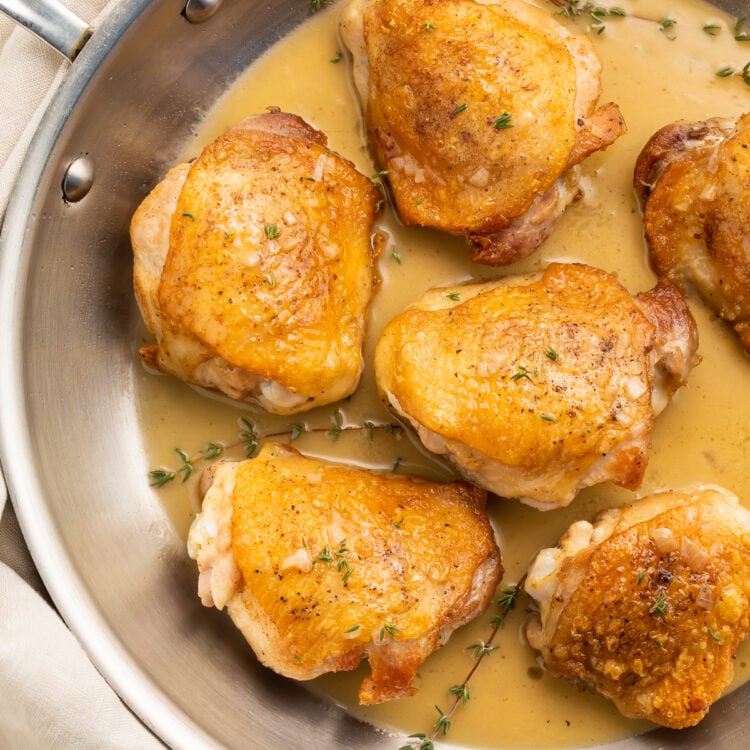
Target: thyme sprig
column 250, row 439
column 597, row 13
column 460, row 692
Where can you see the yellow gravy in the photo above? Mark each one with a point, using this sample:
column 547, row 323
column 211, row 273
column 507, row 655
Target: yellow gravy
column 657, row 73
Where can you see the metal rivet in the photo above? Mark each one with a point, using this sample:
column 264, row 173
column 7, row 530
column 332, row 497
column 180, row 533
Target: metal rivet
column 78, row 179
column 198, row 11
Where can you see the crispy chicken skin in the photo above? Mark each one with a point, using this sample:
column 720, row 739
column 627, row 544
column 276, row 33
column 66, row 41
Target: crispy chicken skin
column 648, row 604
column 479, row 112
column 537, row 386
column 320, row 565
column 254, row 266
column 695, row 180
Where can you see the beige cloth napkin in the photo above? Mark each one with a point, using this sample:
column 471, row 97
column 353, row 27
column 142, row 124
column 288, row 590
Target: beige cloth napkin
column 51, row 696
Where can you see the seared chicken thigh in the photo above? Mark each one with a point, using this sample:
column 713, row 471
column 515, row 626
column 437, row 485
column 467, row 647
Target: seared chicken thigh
column 648, row 604
column 479, row 112
column 254, row 266
column 537, row 386
column 695, row 180
column 320, row 565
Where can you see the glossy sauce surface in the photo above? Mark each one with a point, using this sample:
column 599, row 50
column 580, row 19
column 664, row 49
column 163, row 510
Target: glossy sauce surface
column 656, row 73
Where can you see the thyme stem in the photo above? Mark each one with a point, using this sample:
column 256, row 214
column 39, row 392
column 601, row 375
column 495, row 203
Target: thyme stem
column 507, row 604
column 250, row 438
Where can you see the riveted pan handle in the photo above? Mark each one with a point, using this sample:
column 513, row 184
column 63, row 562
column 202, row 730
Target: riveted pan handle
column 52, row 22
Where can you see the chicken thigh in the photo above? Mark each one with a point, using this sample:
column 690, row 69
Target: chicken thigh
column 537, row 386
column 648, row 604
column 695, row 180
column 320, row 565
column 479, row 111
column 254, row 266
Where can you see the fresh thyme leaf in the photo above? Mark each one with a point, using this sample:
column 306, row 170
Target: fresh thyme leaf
column 187, row 465
column 443, row 722
column 428, row 27
column 370, row 426
column 398, row 524
column 455, row 296
column 741, row 35
column 460, row 108
column 159, row 477
column 425, row 743
column 660, row 606
column 524, row 372
column 337, row 58
column 388, row 629
column 713, row 635
column 665, row 25
column 712, row 29
column 188, row 214
column 503, row 122
column 229, row 235
column 548, row 418
column 396, row 256
column 396, row 464
column 480, row 649
column 725, row 72
column 323, row 556
column 270, row 279
column 316, row 5
column 551, row 354
column 250, row 436
column 597, row 13
column 335, row 431
column 272, row 231
column 376, row 177
column 212, row 451
column 298, row 660
column 342, row 550
column 379, row 205
column 460, row 691
column 296, row 430
column 352, row 629
column 661, row 644
column 418, row 202
column 641, row 576
column 507, row 600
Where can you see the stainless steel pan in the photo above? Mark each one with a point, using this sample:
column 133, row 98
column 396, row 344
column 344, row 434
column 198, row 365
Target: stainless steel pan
column 71, row 448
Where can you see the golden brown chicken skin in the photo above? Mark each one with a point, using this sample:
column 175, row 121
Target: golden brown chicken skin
column 479, row 112
column 648, row 604
column 321, row 565
column 694, row 178
column 537, row 386
column 254, row 266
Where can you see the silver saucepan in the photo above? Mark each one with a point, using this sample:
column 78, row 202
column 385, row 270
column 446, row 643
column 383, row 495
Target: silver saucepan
column 71, row 448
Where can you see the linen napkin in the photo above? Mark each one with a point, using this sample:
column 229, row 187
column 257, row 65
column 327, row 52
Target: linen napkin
column 51, row 696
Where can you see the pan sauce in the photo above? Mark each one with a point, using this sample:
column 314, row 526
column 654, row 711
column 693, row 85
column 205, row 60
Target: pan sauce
column 703, row 436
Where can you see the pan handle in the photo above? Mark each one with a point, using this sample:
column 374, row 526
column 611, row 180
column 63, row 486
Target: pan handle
column 52, row 22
